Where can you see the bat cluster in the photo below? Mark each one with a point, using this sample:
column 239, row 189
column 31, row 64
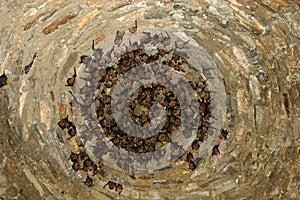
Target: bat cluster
column 112, row 185
column 103, row 71
column 66, row 124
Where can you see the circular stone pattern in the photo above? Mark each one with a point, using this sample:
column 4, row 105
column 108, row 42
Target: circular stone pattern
column 148, row 97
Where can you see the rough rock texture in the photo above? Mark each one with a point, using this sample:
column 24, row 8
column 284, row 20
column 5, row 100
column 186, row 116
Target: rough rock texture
column 254, row 43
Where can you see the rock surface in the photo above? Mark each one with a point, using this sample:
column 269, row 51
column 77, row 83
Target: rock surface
column 255, row 45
